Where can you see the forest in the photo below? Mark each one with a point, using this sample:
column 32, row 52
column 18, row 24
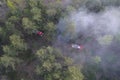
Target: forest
column 59, row 39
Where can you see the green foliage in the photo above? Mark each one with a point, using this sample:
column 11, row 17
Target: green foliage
column 7, row 61
column 51, row 68
column 22, row 47
column 10, row 26
column 97, row 59
column 33, row 3
column 2, row 33
column 51, row 12
column 13, row 19
column 105, row 40
column 16, row 4
column 36, row 13
column 75, row 73
column 21, row 4
column 17, row 42
column 93, row 69
column 70, row 9
column 8, row 50
column 11, row 4
column 50, row 31
column 28, row 25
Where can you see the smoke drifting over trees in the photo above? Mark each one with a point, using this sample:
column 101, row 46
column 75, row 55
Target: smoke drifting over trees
column 92, row 24
column 101, row 24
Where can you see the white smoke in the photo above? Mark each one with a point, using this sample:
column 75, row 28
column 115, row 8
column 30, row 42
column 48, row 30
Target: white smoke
column 104, row 27
column 98, row 25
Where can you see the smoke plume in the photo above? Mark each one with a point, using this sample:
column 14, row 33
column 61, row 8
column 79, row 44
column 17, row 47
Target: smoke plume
column 98, row 32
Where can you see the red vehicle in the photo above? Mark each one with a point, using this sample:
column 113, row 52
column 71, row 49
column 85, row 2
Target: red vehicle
column 40, row 33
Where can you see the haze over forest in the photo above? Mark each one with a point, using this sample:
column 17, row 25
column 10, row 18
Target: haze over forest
column 59, row 39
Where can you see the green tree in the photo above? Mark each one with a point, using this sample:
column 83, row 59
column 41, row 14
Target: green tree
column 8, row 61
column 17, row 42
column 21, row 58
column 53, row 66
column 28, row 25
column 36, row 13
